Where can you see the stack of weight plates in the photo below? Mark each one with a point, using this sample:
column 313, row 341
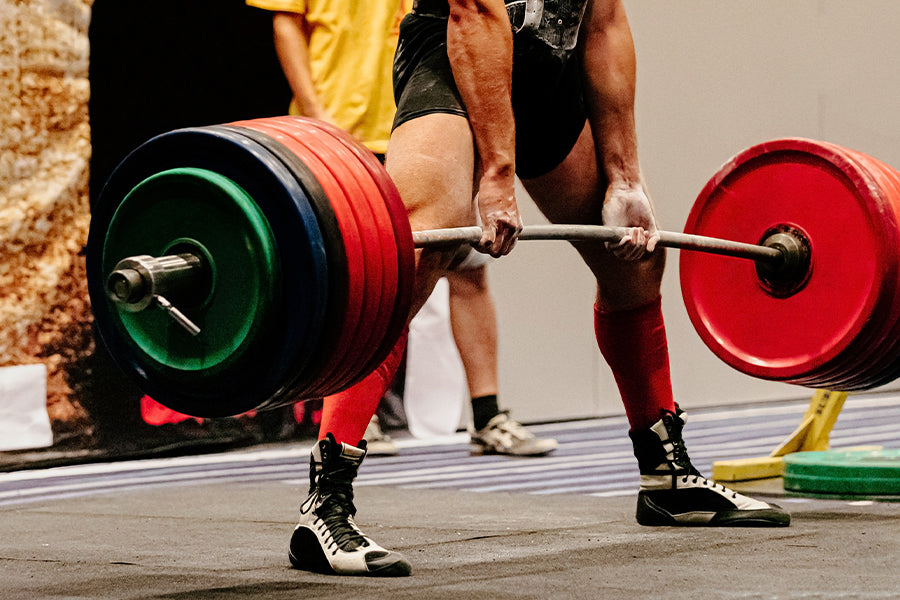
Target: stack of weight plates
column 838, row 326
column 309, row 254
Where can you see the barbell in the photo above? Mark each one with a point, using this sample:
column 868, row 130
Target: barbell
column 249, row 265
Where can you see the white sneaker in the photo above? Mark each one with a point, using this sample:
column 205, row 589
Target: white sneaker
column 502, row 435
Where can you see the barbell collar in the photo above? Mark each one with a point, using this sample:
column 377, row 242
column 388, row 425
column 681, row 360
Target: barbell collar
column 136, row 281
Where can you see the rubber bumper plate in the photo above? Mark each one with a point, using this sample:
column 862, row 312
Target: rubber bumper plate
column 208, row 214
column 814, row 334
column 844, row 473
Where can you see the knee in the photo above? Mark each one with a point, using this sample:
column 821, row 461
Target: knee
column 624, row 285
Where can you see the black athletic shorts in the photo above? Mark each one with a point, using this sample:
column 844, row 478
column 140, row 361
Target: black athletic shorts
column 546, row 91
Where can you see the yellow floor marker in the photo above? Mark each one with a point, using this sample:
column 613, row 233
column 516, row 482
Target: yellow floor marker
column 812, row 434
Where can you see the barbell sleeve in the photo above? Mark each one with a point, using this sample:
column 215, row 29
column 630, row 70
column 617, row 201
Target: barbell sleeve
column 603, row 233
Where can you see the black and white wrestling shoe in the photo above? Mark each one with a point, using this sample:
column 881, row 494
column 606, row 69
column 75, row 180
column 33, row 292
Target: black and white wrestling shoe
column 326, row 539
column 673, row 492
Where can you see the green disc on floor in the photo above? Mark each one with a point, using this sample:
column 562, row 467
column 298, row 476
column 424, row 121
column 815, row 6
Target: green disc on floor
column 202, row 212
column 847, row 472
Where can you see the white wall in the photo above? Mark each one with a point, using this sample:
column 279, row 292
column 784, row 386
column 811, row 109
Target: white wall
column 714, row 77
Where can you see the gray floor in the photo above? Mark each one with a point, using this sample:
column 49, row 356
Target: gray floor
column 157, row 529
column 229, row 541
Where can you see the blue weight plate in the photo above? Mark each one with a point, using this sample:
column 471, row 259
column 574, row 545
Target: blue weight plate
column 300, row 245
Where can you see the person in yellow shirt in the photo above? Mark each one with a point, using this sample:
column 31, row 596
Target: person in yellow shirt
column 337, row 56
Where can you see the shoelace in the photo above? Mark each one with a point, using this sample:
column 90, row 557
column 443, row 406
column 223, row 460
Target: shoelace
column 344, row 534
column 333, row 499
column 681, row 459
column 707, row 482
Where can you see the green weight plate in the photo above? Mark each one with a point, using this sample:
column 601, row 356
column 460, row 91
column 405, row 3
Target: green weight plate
column 205, row 210
column 300, row 312
column 843, row 473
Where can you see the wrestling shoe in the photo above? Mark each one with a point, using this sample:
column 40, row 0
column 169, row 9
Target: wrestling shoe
column 502, row 435
column 673, row 492
column 326, row 540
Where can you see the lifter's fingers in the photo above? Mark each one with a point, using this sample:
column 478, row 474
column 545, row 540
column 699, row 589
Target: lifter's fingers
column 508, row 240
column 496, row 246
column 499, row 240
column 652, row 241
column 631, row 246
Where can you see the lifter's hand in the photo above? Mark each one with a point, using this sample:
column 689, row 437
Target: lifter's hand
column 500, row 219
column 628, row 206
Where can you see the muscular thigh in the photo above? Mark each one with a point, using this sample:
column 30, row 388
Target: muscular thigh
column 431, row 160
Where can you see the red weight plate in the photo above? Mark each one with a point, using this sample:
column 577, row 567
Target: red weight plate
column 854, row 269
column 863, row 351
column 402, row 235
column 355, row 240
column 878, row 366
column 371, row 325
column 380, row 219
column 329, row 152
column 333, row 291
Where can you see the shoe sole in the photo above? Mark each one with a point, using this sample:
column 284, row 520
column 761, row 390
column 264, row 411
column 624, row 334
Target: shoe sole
column 651, row 515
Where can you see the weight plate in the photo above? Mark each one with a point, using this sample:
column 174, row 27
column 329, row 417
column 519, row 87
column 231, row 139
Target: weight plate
column 358, row 242
column 816, row 190
column 879, row 365
column 328, row 151
column 299, row 241
column 201, row 210
column 335, row 254
column 843, row 473
column 373, row 214
column 402, row 236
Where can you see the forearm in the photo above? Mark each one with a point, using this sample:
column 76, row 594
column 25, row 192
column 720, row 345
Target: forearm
column 609, row 65
column 479, row 44
column 292, row 47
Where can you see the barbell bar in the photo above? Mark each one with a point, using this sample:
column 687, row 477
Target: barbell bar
column 602, row 233
column 137, row 281
column 769, row 251
column 805, row 307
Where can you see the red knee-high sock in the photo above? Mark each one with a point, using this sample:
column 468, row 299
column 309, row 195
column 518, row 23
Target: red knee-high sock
column 633, row 342
column 346, row 414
